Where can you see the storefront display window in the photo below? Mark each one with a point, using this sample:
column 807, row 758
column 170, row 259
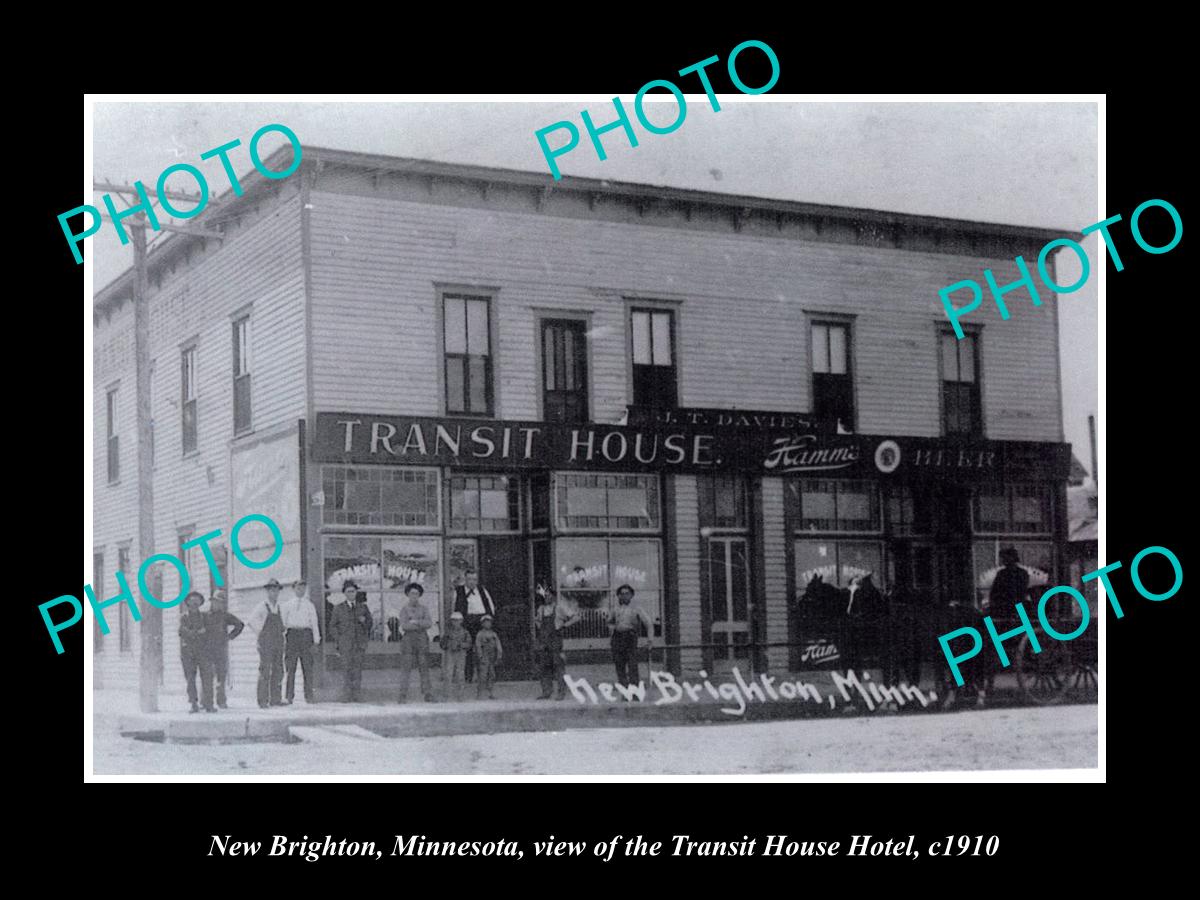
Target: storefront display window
column 837, row 562
column 1036, row 558
column 588, row 502
column 591, row 569
column 381, row 496
column 382, row 567
column 485, row 503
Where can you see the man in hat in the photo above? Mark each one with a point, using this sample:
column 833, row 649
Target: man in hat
column 415, row 623
column 351, row 626
column 301, row 634
column 624, row 619
column 1010, row 586
column 223, row 627
column 474, row 602
column 267, row 623
column 194, row 652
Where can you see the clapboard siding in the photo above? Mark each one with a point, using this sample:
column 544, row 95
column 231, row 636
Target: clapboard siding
column 743, row 339
column 774, row 539
column 259, row 268
column 687, row 542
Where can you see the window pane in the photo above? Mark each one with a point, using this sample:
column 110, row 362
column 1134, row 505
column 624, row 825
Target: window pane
column 569, row 362
column 838, row 353
column 815, row 558
column 493, row 503
column 662, row 339
column 548, row 357
column 1031, row 508
column 642, row 355
column 966, row 359
column 739, row 575
column 479, row 384
column 477, row 327
column 586, row 501
column 949, row 357
column 628, row 502
column 817, row 510
column 857, row 507
column 856, row 559
column 456, row 384
column 718, row 581
column 241, row 403
column 820, row 348
column 635, row 563
column 582, row 563
column 456, row 325
column 991, row 509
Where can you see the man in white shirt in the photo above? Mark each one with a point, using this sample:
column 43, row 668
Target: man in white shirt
column 301, row 633
column 474, row 602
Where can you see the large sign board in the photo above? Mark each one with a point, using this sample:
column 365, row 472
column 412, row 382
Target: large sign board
column 265, row 480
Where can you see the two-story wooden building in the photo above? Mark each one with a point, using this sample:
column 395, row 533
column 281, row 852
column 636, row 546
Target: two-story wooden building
column 416, row 367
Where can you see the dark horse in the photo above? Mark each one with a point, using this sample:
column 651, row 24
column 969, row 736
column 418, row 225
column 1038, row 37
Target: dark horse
column 855, row 617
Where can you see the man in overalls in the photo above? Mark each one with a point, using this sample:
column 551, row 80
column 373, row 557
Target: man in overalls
column 551, row 617
column 267, row 622
column 415, row 623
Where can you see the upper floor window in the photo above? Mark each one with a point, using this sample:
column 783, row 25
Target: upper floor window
column 962, row 411
column 833, row 380
column 564, row 371
column 654, row 373
column 241, row 375
column 467, row 342
column 113, row 442
column 188, row 399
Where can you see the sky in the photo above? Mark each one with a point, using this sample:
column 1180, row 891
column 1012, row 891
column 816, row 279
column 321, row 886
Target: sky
column 1027, row 163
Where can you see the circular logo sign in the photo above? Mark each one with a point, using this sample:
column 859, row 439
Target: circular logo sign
column 887, row 457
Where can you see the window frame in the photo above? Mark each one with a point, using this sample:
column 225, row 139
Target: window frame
column 242, row 356
column 880, row 503
column 975, row 334
column 437, row 527
column 187, row 369
column 573, row 322
column 832, row 320
column 488, row 297
column 519, row 491
column 98, row 586
column 652, row 308
column 112, row 438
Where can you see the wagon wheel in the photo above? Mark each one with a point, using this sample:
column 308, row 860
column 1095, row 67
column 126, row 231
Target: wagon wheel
column 1044, row 677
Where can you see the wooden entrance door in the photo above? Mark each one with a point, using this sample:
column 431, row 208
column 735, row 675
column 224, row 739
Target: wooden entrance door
column 503, row 570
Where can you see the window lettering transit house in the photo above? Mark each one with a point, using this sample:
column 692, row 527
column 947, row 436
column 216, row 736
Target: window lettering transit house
column 441, row 369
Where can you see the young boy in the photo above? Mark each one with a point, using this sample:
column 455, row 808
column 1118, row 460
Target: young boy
column 488, row 653
column 194, row 651
column 455, row 644
column 223, row 627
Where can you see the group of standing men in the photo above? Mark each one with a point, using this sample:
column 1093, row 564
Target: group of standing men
column 289, row 630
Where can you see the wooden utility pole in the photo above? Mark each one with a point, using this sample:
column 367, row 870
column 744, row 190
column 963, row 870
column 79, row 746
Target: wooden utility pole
column 151, row 668
column 152, row 621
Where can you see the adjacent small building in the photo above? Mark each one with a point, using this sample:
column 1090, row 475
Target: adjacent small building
column 415, row 368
